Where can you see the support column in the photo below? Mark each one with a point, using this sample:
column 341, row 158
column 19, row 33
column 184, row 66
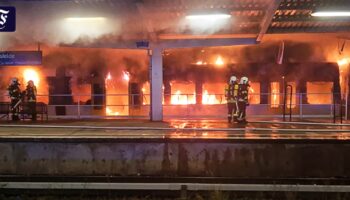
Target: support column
column 156, row 77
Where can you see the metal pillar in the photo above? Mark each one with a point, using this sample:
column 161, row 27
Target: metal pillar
column 156, row 78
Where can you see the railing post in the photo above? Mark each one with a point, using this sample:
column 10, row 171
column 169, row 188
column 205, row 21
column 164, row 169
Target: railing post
column 131, row 109
column 290, row 102
column 187, row 105
column 301, row 105
column 334, row 109
column 79, row 106
column 285, row 90
column 346, row 105
column 341, row 110
column 284, row 104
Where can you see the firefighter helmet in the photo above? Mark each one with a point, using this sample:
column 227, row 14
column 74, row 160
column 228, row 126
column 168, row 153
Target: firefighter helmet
column 244, row 80
column 14, row 80
column 233, row 79
column 30, row 82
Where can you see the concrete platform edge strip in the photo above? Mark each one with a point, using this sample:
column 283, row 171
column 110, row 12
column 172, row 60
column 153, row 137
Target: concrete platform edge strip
column 175, row 129
column 175, row 186
column 299, row 123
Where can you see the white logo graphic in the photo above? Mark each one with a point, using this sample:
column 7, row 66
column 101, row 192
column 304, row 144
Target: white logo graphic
column 3, row 17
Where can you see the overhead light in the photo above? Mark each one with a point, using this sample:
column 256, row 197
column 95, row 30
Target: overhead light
column 331, row 14
column 93, row 27
column 209, row 16
column 85, row 19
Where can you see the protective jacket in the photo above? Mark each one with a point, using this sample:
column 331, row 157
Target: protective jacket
column 14, row 91
column 243, row 93
column 231, row 92
column 30, row 93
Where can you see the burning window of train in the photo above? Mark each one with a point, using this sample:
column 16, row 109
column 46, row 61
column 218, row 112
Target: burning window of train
column 319, row 92
column 117, row 94
column 146, row 91
column 275, row 94
column 254, row 93
column 182, row 93
column 213, row 93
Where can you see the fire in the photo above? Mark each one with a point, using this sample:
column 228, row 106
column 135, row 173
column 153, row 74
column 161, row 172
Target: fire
column 182, row 99
column 184, row 93
column 199, row 62
column 146, row 94
column 209, row 99
column 213, row 93
column 343, row 63
column 117, row 100
column 126, row 76
column 319, row 92
column 219, row 61
column 34, row 74
column 275, row 90
column 251, row 94
column 31, row 74
column 109, row 76
column 109, row 112
column 254, row 93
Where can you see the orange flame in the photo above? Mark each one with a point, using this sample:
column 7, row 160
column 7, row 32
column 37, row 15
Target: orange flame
column 109, row 76
column 319, row 92
column 343, row 65
column 31, row 74
column 126, row 76
column 109, row 112
column 182, row 99
column 115, row 104
column 275, row 94
column 343, row 62
column 209, row 99
column 219, row 61
column 199, row 62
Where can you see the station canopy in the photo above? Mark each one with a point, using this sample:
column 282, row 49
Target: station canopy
column 152, row 20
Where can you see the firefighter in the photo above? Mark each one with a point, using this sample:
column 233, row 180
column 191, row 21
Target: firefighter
column 231, row 92
column 15, row 95
column 30, row 94
column 243, row 99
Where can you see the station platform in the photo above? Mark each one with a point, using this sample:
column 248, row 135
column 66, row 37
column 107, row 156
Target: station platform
column 134, row 130
column 175, row 148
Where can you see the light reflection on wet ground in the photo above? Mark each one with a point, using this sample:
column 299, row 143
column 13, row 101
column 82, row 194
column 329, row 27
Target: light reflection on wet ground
column 209, row 129
column 290, row 131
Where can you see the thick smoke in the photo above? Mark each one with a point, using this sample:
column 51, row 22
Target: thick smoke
column 258, row 61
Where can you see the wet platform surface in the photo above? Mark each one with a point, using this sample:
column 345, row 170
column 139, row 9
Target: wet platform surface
column 176, row 129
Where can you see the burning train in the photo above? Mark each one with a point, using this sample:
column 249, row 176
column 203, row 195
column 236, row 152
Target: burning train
column 99, row 83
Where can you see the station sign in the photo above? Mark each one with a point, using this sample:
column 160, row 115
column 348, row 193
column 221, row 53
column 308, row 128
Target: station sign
column 16, row 58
